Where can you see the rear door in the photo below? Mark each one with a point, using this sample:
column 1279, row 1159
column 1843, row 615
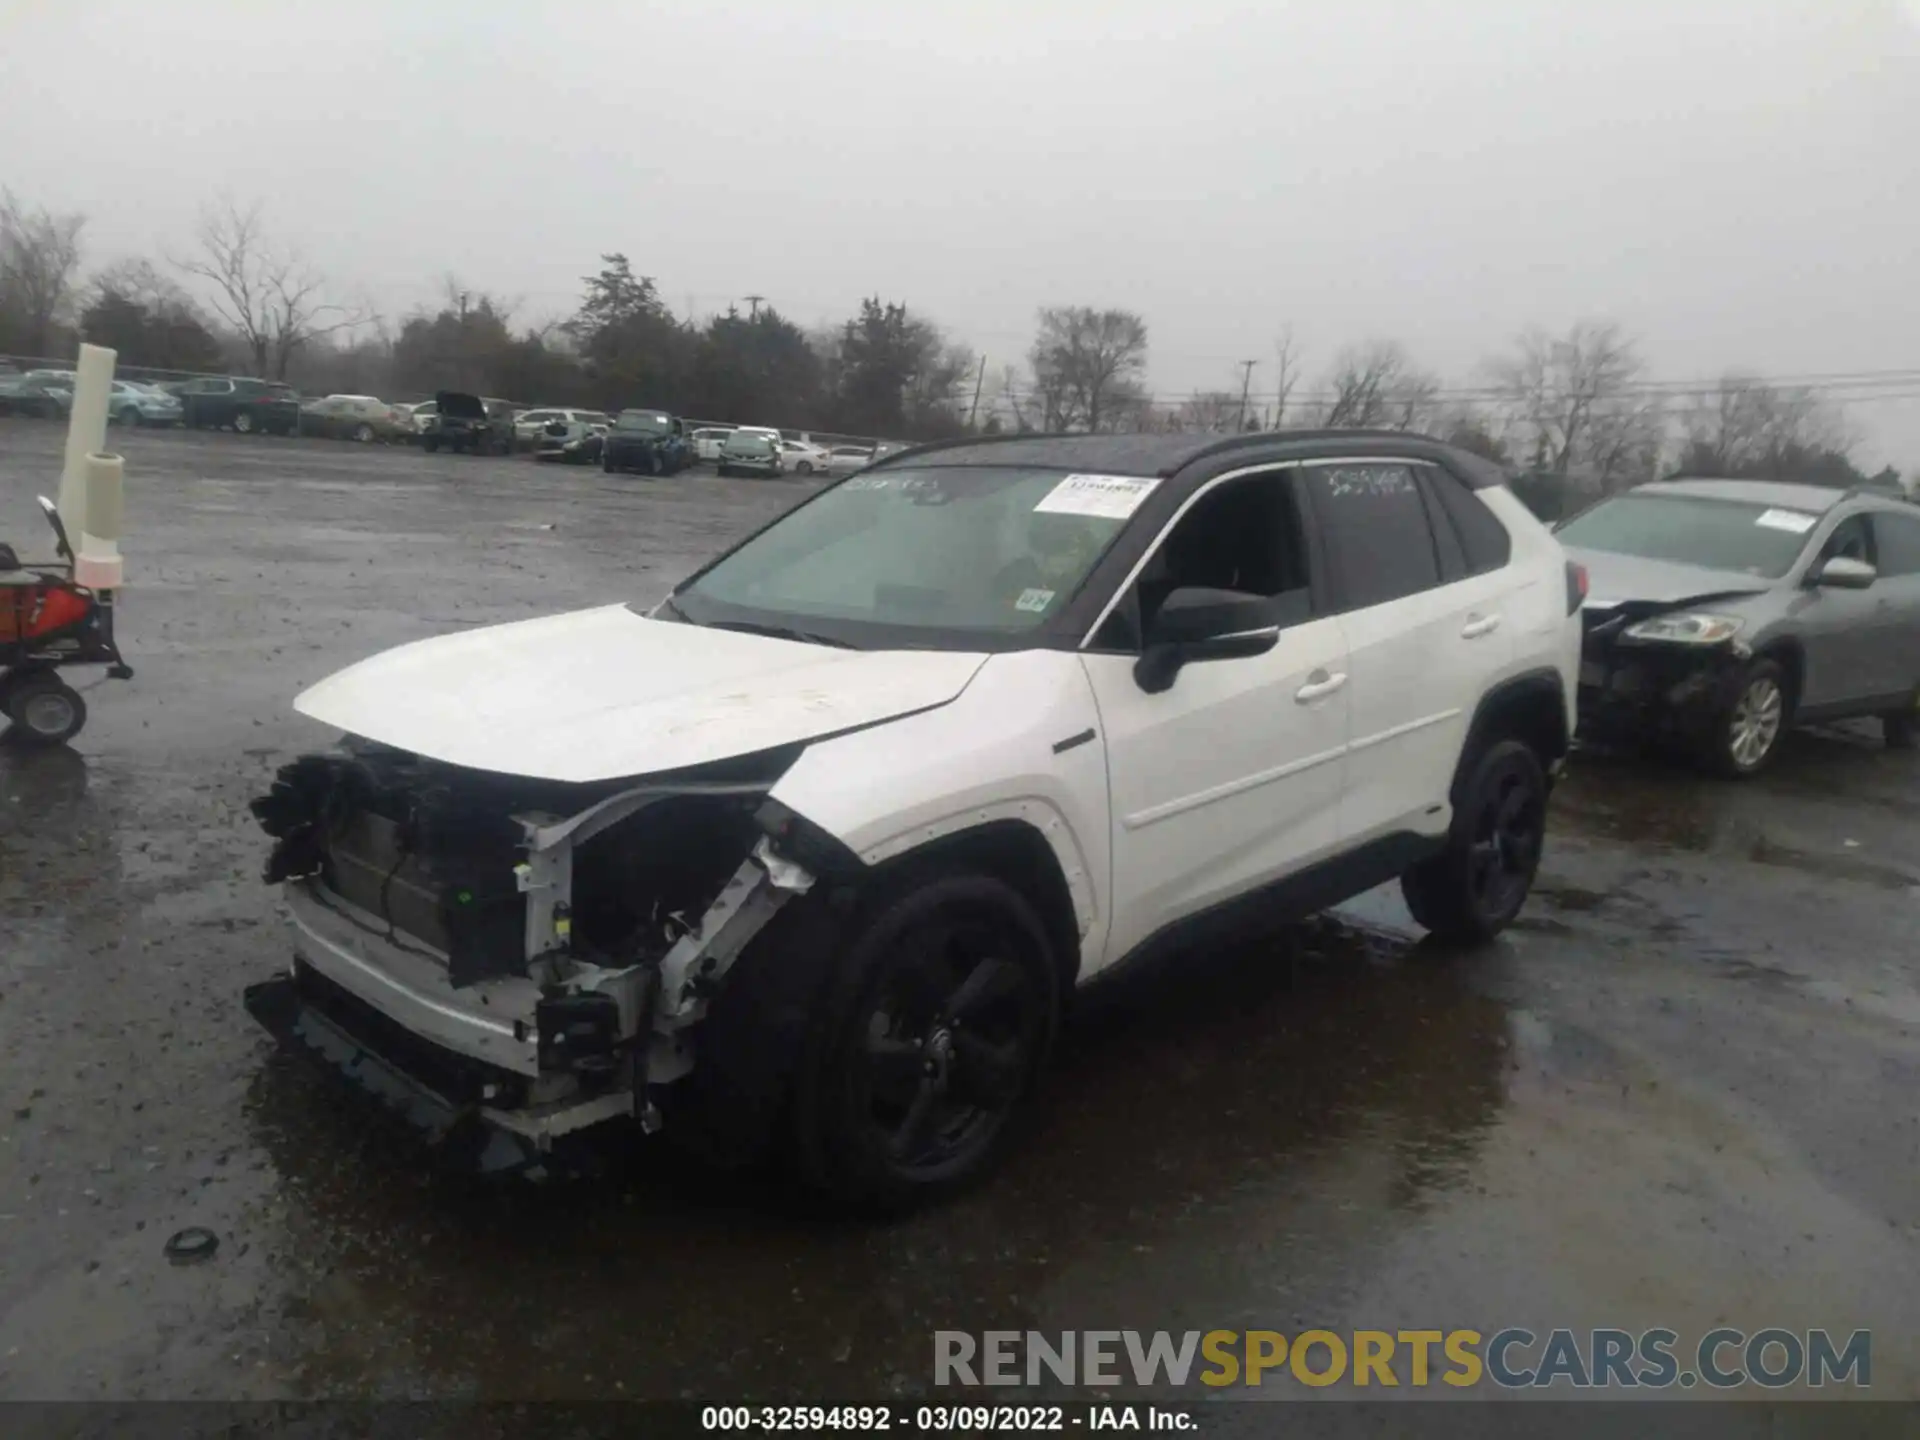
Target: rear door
column 1426, row 635
column 1897, row 540
column 1843, row 662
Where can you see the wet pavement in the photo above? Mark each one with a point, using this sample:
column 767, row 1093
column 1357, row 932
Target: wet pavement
column 1682, row 1092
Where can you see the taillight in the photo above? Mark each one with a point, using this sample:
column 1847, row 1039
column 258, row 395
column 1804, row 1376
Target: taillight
column 1576, row 586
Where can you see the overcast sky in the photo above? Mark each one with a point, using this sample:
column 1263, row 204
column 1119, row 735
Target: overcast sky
column 1735, row 181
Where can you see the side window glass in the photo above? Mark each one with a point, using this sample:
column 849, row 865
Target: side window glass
column 1446, row 537
column 1373, row 526
column 1244, row 535
column 1487, row 544
column 1850, row 538
column 1898, row 538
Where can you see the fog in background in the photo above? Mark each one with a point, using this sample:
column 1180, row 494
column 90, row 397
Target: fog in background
column 1737, row 182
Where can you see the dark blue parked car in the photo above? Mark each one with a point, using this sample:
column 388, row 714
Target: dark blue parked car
column 648, row 442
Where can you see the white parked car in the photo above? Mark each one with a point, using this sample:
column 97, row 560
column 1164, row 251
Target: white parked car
column 845, row 459
column 708, row 440
column 803, row 458
column 529, row 424
column 810, row 855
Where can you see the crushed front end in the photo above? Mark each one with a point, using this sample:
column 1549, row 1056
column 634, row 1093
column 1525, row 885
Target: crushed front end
column 1637, row 688
column 507, row 961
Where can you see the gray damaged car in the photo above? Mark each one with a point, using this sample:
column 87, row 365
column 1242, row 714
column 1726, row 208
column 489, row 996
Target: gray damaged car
column 1722, row 612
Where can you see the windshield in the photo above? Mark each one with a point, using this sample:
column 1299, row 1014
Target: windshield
column 642, row 421
column 1736, row 535
column 934, row 548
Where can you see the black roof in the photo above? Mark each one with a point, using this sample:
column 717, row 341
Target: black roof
column 1147, row 454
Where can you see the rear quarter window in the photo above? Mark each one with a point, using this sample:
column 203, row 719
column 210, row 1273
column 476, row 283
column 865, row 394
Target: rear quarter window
column 1483, row 539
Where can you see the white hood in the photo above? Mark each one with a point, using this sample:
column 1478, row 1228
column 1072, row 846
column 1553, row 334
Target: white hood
column 602, row 694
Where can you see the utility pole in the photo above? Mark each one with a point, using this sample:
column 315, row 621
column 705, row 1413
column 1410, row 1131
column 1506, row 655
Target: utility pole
column 978, row 380
column 1246, row 384
column 754, row 301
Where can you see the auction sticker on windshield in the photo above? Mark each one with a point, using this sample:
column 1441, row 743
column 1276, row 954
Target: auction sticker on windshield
column 1792, row 521
column 1111, row 497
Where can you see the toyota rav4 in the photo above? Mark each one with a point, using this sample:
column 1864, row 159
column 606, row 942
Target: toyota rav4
column 811, row 854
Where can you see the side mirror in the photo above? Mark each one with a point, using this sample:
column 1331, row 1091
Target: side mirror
column 1843, row 572
column 1195, row 624
column 63, row 547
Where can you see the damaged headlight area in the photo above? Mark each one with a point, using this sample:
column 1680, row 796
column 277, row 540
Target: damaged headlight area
column 1670, row 673
column 527, row 953
column 1686, row 629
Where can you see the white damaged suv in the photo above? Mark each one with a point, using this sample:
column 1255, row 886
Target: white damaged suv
column 810, row 856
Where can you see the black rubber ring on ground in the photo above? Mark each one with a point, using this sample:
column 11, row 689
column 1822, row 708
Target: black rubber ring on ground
column 193, row 1243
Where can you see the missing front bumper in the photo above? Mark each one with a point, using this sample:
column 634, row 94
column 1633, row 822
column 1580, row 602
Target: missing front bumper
column 441, row 1096
column 1656, row 692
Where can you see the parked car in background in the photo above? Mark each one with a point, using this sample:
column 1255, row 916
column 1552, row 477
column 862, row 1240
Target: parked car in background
column 529, row 425
column 133, row 402
column 41, row 399
column 750, row 452
column 1722, row 612
column 802, row 457
column 463, row 422
column 422, row 415
column 239, row 403
column 649, row 442
column 570, row 442
column 845, row 459
column 708, row 440
column 354, row 417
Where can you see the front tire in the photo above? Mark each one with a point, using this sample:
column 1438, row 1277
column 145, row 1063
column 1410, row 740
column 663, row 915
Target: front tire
column 363, row 434
column 44, row 710
column 1744, row 740
column 928, row 1044
column 1475, row 887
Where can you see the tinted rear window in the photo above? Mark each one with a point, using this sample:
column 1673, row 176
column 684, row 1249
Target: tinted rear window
column 1374, row 527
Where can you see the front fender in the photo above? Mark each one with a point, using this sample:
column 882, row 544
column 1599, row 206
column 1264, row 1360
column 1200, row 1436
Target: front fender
column 1020, row 743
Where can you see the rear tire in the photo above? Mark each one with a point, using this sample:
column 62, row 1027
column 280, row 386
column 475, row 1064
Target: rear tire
column 363, row 434
column 1472, row 890
column 243, row 424
column 927, row 1045
column 1898, row 727
column 1743, row 741
column 44, row 710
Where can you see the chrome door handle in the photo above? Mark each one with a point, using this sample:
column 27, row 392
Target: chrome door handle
column 1319, row 684
column 1475, row 628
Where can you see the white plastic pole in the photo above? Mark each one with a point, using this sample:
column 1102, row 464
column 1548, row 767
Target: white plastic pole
column 97, row 566
column 86, row 431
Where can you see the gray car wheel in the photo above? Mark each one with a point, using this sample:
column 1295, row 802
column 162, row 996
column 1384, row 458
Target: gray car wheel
column 1748, row 735
column 243, row 423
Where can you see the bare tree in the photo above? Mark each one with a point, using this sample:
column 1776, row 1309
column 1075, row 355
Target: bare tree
column 1376, row 386
column 273, row 299
column 1088, row 365
column 39, row 257
column 1211, row 411
column 1575, row 405
column 1745, row 426
column 1287, row 372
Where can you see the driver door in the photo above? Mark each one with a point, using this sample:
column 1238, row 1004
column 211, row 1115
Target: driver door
column 1231, row 778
